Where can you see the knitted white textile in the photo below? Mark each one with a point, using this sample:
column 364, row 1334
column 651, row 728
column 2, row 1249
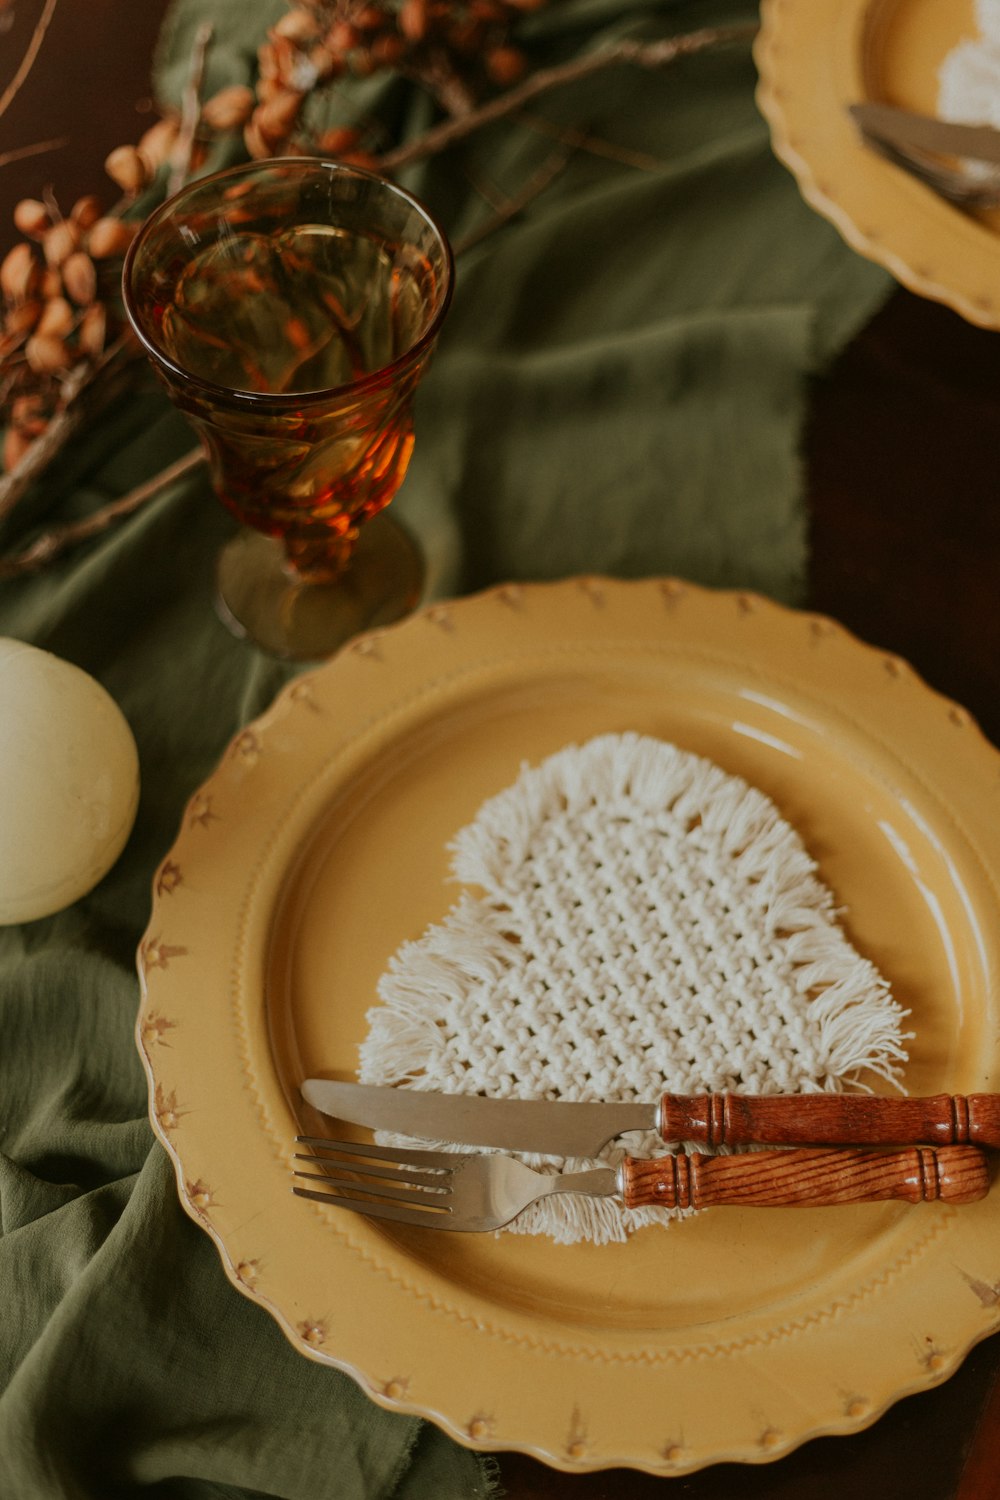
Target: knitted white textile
column 644, row 922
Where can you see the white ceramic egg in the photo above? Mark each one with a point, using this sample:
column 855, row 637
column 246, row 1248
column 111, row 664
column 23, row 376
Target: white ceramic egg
column 69, row 782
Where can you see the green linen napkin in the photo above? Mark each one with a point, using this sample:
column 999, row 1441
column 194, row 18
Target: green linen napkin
column 620, row 388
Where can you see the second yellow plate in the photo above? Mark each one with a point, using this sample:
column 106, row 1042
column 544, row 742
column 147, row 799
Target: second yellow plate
column 814, row 60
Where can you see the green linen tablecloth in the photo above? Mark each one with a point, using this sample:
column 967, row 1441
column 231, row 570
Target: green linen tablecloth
column 620, row 388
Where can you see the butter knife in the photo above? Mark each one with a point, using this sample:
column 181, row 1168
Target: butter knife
column 561, row 1128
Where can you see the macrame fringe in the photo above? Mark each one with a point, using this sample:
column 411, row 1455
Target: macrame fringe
column 855, row 1022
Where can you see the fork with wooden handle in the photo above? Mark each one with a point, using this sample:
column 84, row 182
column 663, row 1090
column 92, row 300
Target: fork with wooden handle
column 451, row 1190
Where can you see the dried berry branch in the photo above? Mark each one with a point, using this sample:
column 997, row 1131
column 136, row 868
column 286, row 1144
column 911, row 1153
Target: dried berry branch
column 58, row 305
column 82, row 394
column 39, row 148
column 641, row 54
column 28, row 60
column 182, row 153
column 52, row 543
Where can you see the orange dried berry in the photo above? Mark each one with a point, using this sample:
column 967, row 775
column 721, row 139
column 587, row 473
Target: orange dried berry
column 126, row 168
column 269, row 88
column 110, row 236
column 338, row 140
column 277, row 116
column 414, row 19
column 56, row 320
column 86, row 211
column 505, row 65
column 365, row 159
column 46, row 354
column 31, row 218
column 93, row 331
column 288, row 61
column 342, row 38
column 298, row 25
column 15, row 446
column 256, row 145
column 51, row 284
column 387, row 50
column 324, row 65
column 229, row 108
column 156, row 144
column 60, row 241
column 28, row 415
column 80, row 277
column 22, row 318
column 18, row 273
column 267, row 61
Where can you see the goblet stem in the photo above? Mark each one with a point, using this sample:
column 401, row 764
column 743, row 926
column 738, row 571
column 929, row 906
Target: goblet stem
column 321, row 562
column 259, row 596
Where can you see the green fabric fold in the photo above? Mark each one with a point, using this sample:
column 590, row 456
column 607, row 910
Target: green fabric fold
column 620, row 387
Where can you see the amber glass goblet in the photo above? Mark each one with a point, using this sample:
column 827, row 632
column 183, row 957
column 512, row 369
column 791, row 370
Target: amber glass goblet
column 291, row 306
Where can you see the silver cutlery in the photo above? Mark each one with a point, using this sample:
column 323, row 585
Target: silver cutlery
column 445, row 1190
column 917, row 143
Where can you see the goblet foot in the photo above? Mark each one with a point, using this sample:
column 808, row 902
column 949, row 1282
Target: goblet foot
column 258, row 599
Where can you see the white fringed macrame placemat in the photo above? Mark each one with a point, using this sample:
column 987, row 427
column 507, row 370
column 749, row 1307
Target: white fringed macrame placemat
column 642, row 921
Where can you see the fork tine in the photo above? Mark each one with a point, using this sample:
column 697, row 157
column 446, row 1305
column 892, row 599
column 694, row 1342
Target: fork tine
column 373, row 1209
column 401, row 1155
column 436, row 1178
column 415, row 1195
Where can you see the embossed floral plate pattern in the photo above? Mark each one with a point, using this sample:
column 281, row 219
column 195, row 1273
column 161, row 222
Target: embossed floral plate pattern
column 320, row 844
column 816, row 59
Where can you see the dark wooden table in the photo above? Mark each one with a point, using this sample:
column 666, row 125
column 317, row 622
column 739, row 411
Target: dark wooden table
column 904, row 496
column 903, row 483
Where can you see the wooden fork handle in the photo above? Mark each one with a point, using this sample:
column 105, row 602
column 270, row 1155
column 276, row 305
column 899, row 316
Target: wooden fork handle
column 806, row 1178
column 830, row 1119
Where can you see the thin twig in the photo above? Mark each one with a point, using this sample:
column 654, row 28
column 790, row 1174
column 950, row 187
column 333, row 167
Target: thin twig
column 52, row 543
column 508, row 208
column 39, row 148
column 28, row 60
column 582, row 140
column 187, row 134
column 640, row 54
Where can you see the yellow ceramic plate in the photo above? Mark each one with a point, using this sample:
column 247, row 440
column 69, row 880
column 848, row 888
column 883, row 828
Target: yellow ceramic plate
column 816, row 57
column 319, row 845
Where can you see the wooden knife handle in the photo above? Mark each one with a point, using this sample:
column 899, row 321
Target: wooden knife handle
column 806, row 1178
column 830, row 1119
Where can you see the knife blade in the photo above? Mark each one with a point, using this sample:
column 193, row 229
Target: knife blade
column 555, row 1129
column 564, row 1128
column 907, row 131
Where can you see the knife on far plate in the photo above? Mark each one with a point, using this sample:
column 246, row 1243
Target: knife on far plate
column 906, row 131
column 562, row 1128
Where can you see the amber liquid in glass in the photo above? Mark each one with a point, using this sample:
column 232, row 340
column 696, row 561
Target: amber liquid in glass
column 311, row 309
